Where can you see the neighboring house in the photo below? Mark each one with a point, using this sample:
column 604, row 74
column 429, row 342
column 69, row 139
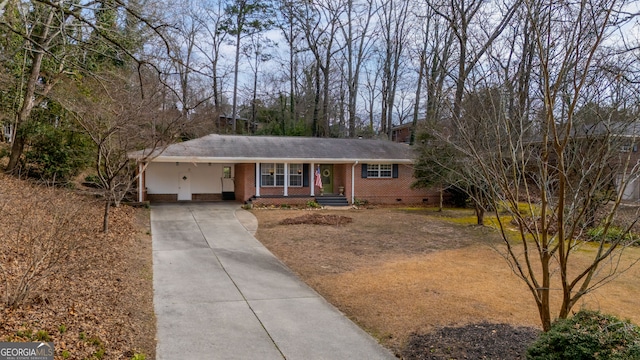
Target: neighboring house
column 401, row 133
column 224, row 125
column 611, row 145
column 281, row 170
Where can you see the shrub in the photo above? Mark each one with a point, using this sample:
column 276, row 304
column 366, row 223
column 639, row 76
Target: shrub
column 42, row 231
column 43, row 335
column 588, row 335
column 613, row 234
column 457, row 197
column 57, row 154
column 312, row 204
column 359, row 202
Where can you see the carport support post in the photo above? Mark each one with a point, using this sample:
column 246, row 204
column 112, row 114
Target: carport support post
column 140, row 182
column 257, row 179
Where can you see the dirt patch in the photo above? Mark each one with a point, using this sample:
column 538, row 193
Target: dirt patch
column 317, row 219
column 398, row 272
column 373, row 237
column 474, row 341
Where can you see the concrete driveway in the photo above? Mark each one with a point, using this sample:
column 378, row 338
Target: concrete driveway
column 220, row 294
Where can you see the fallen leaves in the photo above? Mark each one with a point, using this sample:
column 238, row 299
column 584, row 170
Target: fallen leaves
column 317, row 219
column 96, row 297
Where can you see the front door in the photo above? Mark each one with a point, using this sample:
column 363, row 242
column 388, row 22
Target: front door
column 184, row 187
column 326, row 174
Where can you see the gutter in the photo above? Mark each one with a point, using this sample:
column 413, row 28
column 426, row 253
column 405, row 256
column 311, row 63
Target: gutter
column 353, row 183
column 253, row 160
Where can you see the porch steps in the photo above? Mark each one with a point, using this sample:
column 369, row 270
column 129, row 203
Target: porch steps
column 332, row 200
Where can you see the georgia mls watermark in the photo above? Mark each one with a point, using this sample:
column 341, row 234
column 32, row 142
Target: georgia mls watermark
column 26, row 351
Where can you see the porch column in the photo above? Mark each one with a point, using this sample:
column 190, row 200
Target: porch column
column 257, row 179
column 286, row 179
column 353, row 183
column 312, row 183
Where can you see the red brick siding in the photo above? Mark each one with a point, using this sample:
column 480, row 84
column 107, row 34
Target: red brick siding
column 340, row 177
column 206, row 197
column 162, row 197
column 388, row 191
column 279, row 190
column 245, row 185
column 380, row 191
column 283, row 200
column 401, row 135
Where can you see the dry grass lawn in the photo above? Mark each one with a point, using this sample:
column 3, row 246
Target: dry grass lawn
column 401, row 271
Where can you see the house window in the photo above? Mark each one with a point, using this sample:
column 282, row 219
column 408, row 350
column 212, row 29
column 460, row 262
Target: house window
column 295, row 175
column 629, row 147
column 226, row 172
column 272, row 175
column 379, row 170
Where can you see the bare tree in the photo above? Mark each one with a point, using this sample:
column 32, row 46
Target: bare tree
column 60, row 37
column 258, row 52
column 549, row 182
column 433, row 58
column 289, row 27
column 393, row 16
column 319, row 22
column 371, row 95
column 461, row 16
column 356, row 31
column 211, row 20
column 119, row 120
column 183, row 41
column 245, row 18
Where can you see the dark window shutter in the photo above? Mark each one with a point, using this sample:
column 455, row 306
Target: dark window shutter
column 395, row 171
column 364, row 171
column 305, row 175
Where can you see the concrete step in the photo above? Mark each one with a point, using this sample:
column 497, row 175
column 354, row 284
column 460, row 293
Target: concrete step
column 332, row 200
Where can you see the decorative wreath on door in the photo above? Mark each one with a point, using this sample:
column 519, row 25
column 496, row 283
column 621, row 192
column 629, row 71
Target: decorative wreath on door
column 326, row 173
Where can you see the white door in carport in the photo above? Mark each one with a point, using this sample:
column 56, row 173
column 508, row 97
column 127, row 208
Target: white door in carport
column 184, row 187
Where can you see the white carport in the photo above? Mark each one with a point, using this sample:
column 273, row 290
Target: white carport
column 190, row 181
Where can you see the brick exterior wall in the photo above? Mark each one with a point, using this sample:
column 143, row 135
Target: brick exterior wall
column 373, row 190
column 392, row 191
column 162, row 197
column 245, row 184
column 282, row 200
column 279, row 191
column 206, row 197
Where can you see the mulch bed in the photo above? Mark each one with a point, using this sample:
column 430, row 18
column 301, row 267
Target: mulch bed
column 474, row 341
column 317, row 219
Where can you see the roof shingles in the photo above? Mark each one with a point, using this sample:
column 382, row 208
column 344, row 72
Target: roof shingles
column 237, row 147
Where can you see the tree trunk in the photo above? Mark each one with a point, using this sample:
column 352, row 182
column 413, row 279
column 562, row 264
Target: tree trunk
column 316, row 104
column 292, row 79
column 234, row 109
column 17, row 148
column 254, row 98
column 479, row 209
column 416, row 108
column 105, row 219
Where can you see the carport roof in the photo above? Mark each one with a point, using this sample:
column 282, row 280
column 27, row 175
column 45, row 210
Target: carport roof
column 237, row 148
